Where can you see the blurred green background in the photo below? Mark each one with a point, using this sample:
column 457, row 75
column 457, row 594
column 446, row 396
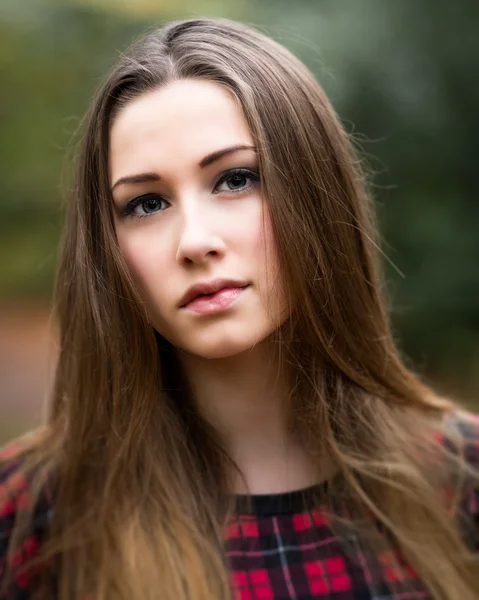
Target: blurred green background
column 403, row 77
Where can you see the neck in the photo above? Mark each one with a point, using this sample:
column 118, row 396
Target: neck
column 246, row 398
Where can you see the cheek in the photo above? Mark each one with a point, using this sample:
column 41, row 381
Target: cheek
column 264, row 246
column 146, row 262
column 255, row 234
column 268, row 242
column 270, row 280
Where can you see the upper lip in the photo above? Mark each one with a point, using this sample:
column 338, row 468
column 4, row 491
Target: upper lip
column 209, row 287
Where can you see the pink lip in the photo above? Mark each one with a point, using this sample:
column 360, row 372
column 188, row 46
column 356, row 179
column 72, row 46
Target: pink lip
column 216, row 302
column 208, row 287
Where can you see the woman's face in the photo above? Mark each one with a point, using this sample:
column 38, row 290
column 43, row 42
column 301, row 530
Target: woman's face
column 189, row 210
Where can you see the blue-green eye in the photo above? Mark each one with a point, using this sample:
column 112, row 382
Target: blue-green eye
column 144, row 206
column 236, row 180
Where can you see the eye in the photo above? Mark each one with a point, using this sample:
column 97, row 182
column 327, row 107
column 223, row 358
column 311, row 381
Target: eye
column 236, row 180
column 143, row 206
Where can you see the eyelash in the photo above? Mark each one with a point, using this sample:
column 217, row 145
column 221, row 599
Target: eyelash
column 132, row 204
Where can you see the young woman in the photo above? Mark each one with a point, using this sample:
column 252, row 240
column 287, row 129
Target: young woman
column 231, row 417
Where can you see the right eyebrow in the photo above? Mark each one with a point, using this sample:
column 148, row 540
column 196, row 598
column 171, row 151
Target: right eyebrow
column 140, row 178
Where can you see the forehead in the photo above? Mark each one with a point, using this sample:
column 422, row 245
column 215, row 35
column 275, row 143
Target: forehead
column 182, row 121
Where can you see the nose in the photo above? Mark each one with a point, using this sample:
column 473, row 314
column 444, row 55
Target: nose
column 198, row 241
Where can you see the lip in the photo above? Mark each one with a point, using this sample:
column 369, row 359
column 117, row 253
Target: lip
column 218, row 302
column 209, row 287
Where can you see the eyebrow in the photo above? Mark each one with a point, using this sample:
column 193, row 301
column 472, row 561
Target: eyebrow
column 204, row 162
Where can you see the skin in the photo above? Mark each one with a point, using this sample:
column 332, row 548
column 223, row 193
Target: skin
column 193, row 230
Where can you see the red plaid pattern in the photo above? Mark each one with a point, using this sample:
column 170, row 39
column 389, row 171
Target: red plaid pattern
column 284, row 549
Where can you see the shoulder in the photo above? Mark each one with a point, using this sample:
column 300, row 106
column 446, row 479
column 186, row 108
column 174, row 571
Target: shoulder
column 460, row 436
column 460, row 433
column 16, row 505
column 13, row 492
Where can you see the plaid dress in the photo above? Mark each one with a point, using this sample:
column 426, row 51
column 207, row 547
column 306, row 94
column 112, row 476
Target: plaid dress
column 284, row 548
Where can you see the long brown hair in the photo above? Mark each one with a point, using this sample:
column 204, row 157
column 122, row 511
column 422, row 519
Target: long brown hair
column 140, row 495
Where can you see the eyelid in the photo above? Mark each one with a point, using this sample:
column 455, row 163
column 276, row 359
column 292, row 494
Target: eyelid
column 247, row 171
column 128, row 207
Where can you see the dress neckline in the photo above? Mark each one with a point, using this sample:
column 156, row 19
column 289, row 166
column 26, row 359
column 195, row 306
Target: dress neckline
column 282, row 503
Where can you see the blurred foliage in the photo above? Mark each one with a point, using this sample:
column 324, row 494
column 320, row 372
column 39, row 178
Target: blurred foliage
column 402, row 76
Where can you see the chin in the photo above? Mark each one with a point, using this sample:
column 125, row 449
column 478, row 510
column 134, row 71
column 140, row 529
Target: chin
column 220, row 343
column 218, row 350
column 221, row 339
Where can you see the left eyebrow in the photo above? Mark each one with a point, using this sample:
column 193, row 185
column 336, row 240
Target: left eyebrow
column 204, row 162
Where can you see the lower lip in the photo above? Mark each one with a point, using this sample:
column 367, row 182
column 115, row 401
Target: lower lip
column 214, row 303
